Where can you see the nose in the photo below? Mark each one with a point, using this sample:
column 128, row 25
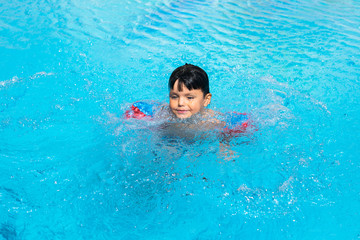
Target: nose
column 181, row 101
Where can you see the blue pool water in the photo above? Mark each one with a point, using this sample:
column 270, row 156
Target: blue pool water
column 72, row 168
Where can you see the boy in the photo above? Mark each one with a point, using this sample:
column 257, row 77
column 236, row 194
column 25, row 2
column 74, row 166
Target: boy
column 188, row 98
column 189, row 91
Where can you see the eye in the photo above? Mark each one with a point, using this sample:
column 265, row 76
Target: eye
column 190, row 97
column 173, row 96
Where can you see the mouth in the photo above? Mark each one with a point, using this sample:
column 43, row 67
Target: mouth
column 181, row 112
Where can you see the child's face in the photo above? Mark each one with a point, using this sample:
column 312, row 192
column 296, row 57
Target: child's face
column 187, row 102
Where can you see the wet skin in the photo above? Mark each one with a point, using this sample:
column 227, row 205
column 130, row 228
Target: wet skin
column 186, row 103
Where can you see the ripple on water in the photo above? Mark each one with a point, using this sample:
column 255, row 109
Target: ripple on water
column 71, row 166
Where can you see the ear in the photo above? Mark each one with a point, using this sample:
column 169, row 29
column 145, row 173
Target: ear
column 207, row 99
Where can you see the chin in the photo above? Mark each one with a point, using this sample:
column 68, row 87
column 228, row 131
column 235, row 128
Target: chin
column 182, row 116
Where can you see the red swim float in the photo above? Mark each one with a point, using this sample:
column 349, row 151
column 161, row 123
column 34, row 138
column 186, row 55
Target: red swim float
column 234, row 122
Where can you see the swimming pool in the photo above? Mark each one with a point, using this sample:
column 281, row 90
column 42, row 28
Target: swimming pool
column 72, row 168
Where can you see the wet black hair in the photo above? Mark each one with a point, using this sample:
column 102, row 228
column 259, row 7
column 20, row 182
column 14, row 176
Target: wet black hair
column 193, row 77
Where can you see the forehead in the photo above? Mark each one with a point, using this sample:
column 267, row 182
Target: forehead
column 181, row 88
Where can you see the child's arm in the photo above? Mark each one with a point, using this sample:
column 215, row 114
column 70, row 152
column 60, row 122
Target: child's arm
column 226, row 152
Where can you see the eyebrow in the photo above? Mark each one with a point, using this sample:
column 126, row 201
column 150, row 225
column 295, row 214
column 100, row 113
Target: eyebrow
column 187, row 94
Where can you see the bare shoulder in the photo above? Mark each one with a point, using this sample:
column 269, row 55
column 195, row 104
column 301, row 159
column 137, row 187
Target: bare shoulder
column 164, row 112
column 211, row 118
